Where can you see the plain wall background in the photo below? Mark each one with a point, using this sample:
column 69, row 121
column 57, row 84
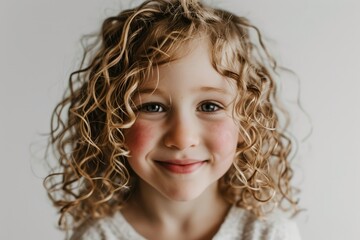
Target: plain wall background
column 317, row 39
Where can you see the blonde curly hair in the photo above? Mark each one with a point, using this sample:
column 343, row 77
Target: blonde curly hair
column 94, row 179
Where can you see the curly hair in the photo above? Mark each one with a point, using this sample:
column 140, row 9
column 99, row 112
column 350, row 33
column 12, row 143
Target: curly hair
column 87, row 126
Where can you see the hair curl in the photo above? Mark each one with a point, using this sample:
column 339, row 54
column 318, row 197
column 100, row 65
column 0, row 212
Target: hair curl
column 87, row 125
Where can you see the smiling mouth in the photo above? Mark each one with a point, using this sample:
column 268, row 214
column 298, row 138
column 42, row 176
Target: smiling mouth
column 181, row 167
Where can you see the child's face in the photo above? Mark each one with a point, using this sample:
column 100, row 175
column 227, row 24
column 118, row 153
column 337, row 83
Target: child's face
column 184, row 138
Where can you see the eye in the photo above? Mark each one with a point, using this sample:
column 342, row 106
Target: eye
column 209, row 107
column 151, row 108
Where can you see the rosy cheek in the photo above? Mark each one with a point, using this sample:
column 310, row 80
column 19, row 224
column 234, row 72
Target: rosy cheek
column 138, row 137
column 224, row 137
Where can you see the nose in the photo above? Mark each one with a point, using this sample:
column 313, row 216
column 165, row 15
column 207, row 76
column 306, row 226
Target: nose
column 182, row 132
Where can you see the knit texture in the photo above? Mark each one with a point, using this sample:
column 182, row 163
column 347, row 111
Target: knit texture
column 239, row 224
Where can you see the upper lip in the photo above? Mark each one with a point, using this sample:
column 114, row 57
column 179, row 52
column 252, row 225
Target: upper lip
column 180, row 161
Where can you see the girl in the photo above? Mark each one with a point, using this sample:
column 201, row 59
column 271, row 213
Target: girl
column 172, row 131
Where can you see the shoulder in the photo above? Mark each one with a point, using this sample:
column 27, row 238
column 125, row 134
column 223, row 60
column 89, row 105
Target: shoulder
column 109, row 228
column 242, row 224
column 93, row 230
column 277, row 226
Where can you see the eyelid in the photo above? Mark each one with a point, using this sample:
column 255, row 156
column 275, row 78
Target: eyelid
column 215, row 103
column 140, row 108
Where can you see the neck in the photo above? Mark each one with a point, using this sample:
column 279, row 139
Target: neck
column 148, row 207
column 161, row 209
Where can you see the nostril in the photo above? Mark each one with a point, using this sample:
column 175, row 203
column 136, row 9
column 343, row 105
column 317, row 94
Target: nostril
column 181, row 139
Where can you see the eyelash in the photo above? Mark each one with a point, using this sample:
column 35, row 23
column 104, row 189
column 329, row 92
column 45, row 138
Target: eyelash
column 161, row 108
column 215, row 107
column 145, row 107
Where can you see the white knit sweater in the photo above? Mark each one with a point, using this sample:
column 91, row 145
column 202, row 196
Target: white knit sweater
column 239, row 224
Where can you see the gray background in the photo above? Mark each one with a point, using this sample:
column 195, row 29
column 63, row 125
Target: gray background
column 318, row 39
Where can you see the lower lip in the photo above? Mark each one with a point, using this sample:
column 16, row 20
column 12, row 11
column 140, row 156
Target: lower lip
column 181, row 169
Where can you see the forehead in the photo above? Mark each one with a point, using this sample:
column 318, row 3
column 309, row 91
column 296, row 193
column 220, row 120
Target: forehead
column 192, row 70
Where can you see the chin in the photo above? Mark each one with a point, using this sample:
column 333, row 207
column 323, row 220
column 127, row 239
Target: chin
column 184, row 195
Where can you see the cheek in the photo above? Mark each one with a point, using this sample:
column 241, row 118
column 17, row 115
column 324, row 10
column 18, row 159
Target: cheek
column 223, row 138
column 138, row 137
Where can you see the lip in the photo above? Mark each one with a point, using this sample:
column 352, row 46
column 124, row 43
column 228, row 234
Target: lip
column 181, row 166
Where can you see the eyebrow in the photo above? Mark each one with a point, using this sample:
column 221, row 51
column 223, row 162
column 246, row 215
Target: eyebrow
column 200, row 89
column 212, row 89
column 151, row 91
